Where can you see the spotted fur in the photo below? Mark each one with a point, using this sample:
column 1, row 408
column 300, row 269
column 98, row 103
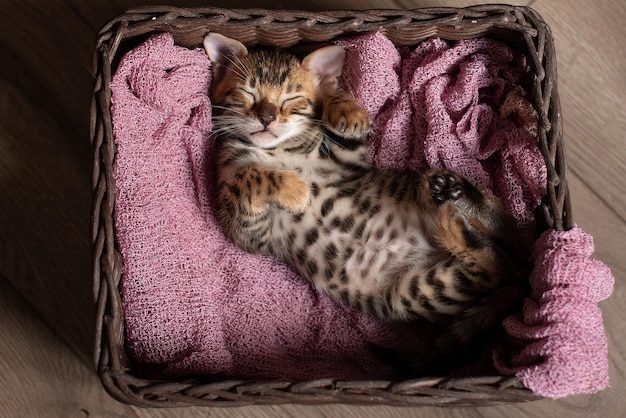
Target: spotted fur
column 295, row 183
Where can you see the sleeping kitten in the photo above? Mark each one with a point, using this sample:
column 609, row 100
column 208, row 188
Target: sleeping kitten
column 294, row 183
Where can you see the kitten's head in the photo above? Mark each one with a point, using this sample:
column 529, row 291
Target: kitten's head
column 268, row 96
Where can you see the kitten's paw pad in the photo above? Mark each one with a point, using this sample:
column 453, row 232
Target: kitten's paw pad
column 293, row 194
column 445, row 185
column 345, row 117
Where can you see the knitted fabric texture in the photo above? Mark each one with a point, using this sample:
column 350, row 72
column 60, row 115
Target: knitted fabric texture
column 196, row 305
column 559, row 343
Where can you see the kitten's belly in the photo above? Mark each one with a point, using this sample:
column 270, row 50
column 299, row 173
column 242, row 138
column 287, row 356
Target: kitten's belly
column 386, row 248
column 360, row 240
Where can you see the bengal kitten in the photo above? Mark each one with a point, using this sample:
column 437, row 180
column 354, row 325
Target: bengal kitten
column 294, row 183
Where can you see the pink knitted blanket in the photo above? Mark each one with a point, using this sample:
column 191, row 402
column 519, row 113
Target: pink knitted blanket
column 196, row 305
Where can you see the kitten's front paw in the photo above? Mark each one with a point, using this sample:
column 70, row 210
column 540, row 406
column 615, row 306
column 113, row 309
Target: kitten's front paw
column 345, row 117
column 293, row 193
column 444, row 185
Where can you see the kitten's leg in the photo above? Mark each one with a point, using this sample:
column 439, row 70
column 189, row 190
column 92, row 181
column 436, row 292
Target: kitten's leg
column 344, row 116
column 479, row 233
column 472, row 225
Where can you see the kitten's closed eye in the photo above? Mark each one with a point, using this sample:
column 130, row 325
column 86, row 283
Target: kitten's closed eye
column 248, row 94
column 238, row 99
column 292, row 100
column 294, row 103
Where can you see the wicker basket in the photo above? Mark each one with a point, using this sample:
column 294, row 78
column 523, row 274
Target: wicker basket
column 516, row 25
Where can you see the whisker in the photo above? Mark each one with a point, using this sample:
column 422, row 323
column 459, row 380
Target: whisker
column 329, row 138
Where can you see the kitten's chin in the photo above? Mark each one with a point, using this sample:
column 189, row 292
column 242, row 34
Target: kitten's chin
column 265, row 139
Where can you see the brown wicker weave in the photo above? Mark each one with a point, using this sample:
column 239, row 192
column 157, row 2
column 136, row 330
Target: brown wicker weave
column 517, row 25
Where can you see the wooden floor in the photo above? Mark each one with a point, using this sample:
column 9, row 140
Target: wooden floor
column 46, row 313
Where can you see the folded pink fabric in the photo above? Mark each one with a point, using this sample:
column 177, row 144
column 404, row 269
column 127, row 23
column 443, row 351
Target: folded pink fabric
column 196, row 305
column 560, row 346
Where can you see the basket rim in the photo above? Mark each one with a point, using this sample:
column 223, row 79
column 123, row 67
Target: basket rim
column 519, row 24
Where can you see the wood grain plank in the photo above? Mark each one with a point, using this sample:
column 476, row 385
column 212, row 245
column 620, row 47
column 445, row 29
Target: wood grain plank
column 45, row 163
column 44, row 224
column 49, row 51
column 609, row 233
column 41, row 377
column 590, row 53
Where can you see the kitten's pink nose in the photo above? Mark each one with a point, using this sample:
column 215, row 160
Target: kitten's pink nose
column 266, row 119
column 266, row 112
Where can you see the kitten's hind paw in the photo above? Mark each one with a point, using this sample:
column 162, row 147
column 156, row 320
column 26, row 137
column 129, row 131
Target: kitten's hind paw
column 445, row 185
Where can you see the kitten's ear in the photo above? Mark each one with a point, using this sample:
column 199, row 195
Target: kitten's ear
column 326, row 65
column 223, row 51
